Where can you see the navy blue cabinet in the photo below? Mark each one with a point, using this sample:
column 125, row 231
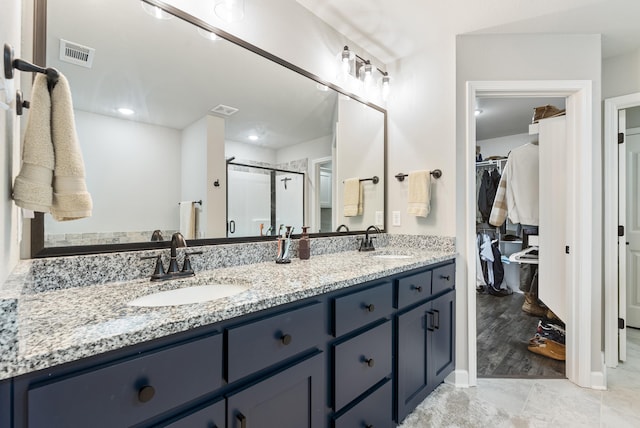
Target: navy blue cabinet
column 292, row 398
column 425, row 351
column 354, row 357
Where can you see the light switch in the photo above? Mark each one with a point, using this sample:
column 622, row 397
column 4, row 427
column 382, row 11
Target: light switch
column 396, row 218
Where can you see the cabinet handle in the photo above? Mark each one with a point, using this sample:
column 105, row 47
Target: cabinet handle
column 418, row 288
column 286, row 339
column 430, row 323
column 242, row 419
column 146, row 393
column 437, row 318
column 445, row 277
column 370, row 362
column 371, row 307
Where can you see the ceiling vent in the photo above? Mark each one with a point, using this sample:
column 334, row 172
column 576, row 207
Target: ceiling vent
column 76, row 54
column 224, row 110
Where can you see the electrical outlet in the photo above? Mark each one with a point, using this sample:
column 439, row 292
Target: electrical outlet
column 379, row 218
column 396, row 218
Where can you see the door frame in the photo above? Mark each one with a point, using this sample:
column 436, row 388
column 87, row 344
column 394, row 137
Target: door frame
column 610, row 244
column 580, row 345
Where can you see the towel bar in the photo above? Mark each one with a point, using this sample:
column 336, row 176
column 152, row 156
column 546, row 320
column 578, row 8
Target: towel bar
column 375, row 179
column 195, row 202
column 436, row 173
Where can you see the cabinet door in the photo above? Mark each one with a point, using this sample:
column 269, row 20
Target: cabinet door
column 440, row 327
column 412, row 373
column 292, row 398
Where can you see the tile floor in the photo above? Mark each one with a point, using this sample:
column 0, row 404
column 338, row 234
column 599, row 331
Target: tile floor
column 538, row 402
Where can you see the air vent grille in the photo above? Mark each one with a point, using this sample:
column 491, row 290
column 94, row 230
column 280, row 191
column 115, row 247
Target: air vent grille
column 75, row 53
column 224, row 110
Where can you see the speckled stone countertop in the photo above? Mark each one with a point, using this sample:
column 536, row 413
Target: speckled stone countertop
column 42, row 328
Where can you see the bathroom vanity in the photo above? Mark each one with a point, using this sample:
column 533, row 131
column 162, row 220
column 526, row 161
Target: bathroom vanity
column 337, row 351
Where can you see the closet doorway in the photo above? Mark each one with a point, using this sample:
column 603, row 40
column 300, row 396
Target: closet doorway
column 517, row 335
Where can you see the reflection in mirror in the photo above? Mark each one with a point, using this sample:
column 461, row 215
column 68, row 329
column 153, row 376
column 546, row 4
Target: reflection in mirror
column 195, row 101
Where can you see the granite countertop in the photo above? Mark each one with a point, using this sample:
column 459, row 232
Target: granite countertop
column 58, row 326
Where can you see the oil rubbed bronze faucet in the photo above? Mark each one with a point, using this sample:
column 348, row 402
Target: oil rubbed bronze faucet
column 366, row 244
column 159, row 274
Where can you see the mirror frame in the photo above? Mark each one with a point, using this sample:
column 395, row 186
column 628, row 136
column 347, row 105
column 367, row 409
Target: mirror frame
column 38, row 250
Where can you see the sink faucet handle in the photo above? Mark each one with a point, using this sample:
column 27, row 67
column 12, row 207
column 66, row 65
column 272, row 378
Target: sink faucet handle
column 186, row 266
column 158, row 272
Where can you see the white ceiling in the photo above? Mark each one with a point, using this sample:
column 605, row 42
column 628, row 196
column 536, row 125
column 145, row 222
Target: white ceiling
column 141, row 63
column 391, row 30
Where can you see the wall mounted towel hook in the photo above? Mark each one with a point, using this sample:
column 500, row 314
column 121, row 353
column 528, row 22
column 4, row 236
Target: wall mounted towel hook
column 21, row 103
column 436, row 173
column 11, row 63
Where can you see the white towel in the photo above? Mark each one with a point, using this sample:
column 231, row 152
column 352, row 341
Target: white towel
column 419, row 198
column 188, row 219
column 32, row 187
column 71, row 200
column 353, row 197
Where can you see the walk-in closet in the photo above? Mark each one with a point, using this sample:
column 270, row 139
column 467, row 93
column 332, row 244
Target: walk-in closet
column 518, row 335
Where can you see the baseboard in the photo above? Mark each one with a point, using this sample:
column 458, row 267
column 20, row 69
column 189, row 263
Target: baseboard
column 458, row 378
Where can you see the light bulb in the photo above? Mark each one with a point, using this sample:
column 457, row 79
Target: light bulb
column 386, row 87
column 345, row 62
column 229, row 10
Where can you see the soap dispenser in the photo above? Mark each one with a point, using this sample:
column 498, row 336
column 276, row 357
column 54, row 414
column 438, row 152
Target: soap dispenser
column 304, row 247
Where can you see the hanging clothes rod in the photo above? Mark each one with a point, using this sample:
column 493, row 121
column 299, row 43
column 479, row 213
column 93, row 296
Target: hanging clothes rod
column 436, row 173
column 11, row 63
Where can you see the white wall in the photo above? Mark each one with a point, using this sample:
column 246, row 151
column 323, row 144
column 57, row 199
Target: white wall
column 501, row 146
column 152, row 155
column 244, row 152
column 314, row 149
column 193, row 170
column 532, row 57
column 621, row 75
column 10, row 26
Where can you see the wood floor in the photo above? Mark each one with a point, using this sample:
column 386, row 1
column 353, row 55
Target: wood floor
column 503, row 333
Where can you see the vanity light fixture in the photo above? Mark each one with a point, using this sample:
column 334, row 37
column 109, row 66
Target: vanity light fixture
column 362, row 70
column 229, row 10
column 155, row 11
column 125, row 111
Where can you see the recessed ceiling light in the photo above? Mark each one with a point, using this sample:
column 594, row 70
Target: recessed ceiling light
column 253, row 137
column 478, row 112
column 321, row 87
column 125, row 111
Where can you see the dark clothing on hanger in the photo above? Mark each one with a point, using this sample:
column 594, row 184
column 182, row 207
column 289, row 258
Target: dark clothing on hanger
column 487, row 194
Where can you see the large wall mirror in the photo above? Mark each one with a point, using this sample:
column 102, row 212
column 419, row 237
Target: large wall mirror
column 183, row 130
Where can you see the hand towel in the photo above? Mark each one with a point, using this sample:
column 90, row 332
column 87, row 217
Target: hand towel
column 188, row 219
column 32, row 188
column 71, row 200
column 419, row 198
column 353, row 197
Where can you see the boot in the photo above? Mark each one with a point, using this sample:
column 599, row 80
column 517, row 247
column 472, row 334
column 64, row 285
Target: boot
column 532, row 307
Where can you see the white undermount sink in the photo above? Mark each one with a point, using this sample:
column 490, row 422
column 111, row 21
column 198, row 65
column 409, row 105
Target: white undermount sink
column 188, row 295
column 392, row 256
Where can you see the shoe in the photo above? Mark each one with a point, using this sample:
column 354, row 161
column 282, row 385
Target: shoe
column 551, row 316
column 548, row 348
column 532, row 307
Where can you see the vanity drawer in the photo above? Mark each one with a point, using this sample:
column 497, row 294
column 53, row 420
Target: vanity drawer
column 444, row 278
column 360, row 363
column 264, row 342
column 414, row 288
column 212, row 416
column 374, row 411
column 132, row 391
column 361, row 308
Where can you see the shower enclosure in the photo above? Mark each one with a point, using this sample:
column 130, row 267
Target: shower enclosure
column 260, row 199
